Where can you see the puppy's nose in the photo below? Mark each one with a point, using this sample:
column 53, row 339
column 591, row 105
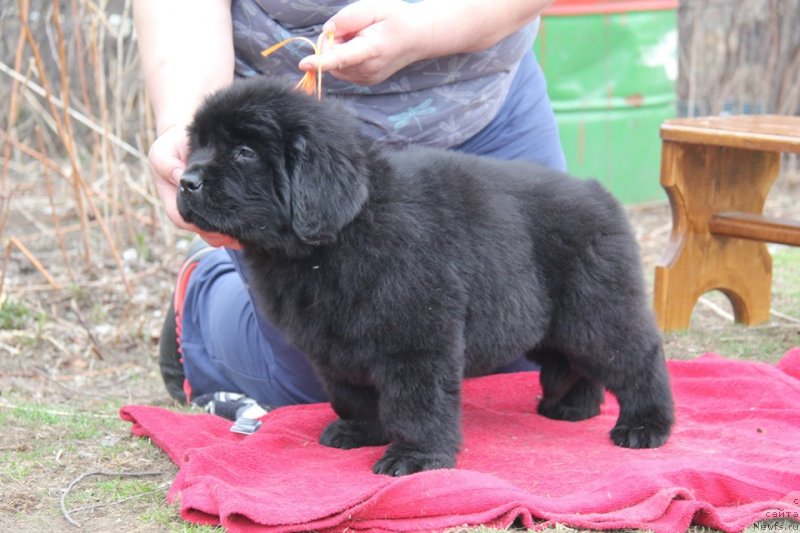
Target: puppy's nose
column 191, row 182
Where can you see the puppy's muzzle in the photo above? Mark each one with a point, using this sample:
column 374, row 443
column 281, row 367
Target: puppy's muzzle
column 191, row 182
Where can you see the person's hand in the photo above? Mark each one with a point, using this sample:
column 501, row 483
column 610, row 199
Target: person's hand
column 167, row 158
column 372, row 39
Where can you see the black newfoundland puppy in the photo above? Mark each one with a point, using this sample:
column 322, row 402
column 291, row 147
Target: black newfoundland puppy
column 400, row 272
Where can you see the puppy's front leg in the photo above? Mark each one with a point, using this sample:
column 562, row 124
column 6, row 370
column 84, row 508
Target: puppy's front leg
column 420, row 410
column 358, row 424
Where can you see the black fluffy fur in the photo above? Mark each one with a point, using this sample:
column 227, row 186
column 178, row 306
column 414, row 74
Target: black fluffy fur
column 401, row 272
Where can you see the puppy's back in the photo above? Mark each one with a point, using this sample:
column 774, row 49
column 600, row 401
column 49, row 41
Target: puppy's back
column 546, row 202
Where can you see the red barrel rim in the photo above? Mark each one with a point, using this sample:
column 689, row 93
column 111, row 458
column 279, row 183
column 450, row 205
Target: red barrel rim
column 595, row 7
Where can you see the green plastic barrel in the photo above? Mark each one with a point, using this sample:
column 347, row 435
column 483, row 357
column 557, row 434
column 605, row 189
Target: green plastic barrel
column 611, row 68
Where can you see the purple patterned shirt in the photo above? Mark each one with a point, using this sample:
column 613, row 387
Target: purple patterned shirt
column 437, row 102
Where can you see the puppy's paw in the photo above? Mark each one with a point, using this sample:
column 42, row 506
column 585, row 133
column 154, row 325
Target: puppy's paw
column 401, row 462
column 570, row 413
column 640, row 434
column 347, row 434
column 581, row 402
column 646, row 427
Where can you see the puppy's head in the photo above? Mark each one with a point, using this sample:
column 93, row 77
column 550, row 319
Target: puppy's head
column 272, row 167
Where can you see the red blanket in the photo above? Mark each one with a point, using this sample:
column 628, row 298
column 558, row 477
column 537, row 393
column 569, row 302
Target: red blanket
column 733, row 459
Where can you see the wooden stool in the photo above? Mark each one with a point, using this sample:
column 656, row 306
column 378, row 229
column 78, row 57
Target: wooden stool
column 717, row 172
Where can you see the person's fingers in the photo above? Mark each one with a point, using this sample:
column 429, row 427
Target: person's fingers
column 167, row 159
column 168, row 193
column 168, row 154
column 353, row 18
column 165, row 165
column 342, row 56
column 372, row 40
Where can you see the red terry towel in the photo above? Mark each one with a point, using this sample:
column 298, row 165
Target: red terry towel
column 733, row 459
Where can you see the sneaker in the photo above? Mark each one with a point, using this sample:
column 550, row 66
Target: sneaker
column 244, row 411
column 170, row 358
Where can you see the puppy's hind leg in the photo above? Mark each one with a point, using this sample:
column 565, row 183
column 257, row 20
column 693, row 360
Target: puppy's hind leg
column 565, row 394
column 628, row 359
column 645, row 401
column 358, row 425
column 611, row 337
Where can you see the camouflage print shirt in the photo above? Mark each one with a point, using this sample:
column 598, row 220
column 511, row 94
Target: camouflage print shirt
column 438, row 102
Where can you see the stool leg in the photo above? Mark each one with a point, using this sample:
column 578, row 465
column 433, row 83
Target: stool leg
column 674, row 297
column 701, row 180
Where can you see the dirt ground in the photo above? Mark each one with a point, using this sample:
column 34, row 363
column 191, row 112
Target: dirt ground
column 70, row 357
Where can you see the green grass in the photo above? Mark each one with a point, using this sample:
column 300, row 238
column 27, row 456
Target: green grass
column 54, row 444
column 786, row 280
column 14, row 315
column 15, row 469
column 121, row 488
column 165, row 517
column 75, row 425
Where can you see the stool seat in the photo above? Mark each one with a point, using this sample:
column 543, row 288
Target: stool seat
column 773, row 133
column 717, row 172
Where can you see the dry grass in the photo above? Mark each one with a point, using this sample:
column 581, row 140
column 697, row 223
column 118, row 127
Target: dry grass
column 87, row 261
column 87, row 255
column 74, row 171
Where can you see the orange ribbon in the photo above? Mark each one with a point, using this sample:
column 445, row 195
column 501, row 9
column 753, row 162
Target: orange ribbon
column 311, row 82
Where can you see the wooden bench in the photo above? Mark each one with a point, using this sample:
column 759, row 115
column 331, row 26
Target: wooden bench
column 717, row 172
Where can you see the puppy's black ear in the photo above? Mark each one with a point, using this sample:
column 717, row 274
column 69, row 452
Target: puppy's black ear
column 328, row 187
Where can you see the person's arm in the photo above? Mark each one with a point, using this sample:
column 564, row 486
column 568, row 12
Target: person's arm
column 373, row 39
column 186, row 49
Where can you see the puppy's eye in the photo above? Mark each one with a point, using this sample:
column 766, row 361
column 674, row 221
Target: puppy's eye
column 244, row 153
